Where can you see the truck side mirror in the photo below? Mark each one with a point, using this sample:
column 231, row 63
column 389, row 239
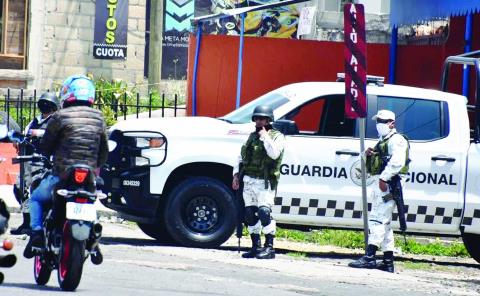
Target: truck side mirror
column 286, row 127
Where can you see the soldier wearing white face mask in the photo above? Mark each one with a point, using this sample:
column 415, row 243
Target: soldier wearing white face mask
column 387, row 161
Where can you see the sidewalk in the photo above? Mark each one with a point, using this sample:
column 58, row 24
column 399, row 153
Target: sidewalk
column 6, row 193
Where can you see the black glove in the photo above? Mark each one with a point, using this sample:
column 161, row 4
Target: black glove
column 388, row 197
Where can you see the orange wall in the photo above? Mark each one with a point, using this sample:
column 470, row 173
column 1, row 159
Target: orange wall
column 8, row 171
column 269, row 63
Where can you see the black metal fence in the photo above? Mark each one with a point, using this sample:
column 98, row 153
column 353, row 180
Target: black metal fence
column 21, row 107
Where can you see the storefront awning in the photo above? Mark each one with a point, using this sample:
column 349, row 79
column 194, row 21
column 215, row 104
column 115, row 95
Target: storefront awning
column 408, row 12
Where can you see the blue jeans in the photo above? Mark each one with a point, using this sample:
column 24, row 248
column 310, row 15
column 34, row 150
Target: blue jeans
column 41, row 195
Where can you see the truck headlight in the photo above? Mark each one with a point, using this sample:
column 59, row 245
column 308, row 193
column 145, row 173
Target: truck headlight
column 145, row 143
column 142, row 161
column 111, row 145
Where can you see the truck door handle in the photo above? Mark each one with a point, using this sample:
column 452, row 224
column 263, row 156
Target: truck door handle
column 347, row 152
column 443, row 157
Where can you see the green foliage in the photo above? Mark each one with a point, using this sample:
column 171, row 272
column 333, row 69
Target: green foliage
column 115, row 95
column 345, row 238
column 112, row 92
column 436, row 248
column 354, row 240
column 20, row 111
column 109, row 116
column 298, row 255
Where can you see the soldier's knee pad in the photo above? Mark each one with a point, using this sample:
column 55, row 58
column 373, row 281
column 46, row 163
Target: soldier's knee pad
column 251, row 215
column 264, row 215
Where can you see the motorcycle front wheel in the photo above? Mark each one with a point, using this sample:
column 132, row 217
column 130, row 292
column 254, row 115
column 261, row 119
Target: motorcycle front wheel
column 41, row 271
column 70, row 265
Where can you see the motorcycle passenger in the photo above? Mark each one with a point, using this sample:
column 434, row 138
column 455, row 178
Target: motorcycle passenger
column 47, row 104
column 75, row 135
column 260, row 160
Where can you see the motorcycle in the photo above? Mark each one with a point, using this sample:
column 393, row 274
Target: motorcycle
column 8, row 260
column 71, row 230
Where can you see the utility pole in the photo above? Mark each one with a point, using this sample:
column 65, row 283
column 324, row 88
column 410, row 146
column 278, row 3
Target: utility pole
column 155, row 50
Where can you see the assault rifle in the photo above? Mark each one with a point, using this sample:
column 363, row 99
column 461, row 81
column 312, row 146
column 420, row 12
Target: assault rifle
column 396, row 193
column 240, row 207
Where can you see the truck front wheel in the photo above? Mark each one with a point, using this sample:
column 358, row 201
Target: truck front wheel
column 472, row 244
column 200, row 212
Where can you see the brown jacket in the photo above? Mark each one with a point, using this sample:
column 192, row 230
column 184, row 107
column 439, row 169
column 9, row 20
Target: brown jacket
column 75, row 135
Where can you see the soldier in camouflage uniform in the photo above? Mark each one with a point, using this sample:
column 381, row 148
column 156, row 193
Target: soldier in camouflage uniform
column 260, row 160
column 386, row 162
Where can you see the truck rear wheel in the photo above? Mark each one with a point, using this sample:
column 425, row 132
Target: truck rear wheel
column 472, row 244
column 200, row 212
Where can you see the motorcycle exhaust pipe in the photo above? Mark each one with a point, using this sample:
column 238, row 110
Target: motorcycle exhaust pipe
column 96, row 235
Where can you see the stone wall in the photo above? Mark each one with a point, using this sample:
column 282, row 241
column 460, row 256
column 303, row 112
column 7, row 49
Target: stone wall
column 61, row 43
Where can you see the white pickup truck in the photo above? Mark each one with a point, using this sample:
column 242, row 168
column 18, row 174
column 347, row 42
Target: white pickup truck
column 173, row 175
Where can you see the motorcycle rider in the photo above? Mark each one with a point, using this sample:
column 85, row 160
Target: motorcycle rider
column 47, row 104
column 260, row 160
column 392, row 152
column 75, row 135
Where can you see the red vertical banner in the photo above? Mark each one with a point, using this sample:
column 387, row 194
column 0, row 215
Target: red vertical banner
column 355, row 55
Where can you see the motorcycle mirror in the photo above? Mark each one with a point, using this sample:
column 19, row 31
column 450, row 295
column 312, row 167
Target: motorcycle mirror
column 111, row 145
column 101, row 195
column 62, row 192
column 3, row 131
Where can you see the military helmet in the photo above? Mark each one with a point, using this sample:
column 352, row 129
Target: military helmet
column 47, row 102
column 263, row 111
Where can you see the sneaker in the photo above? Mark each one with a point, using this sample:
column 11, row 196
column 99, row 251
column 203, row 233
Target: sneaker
column 364, row 262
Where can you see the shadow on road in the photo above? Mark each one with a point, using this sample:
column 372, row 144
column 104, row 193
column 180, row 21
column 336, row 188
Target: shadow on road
column 353, row 256
column 313, row 255
column 134, row 241
column 31, row 286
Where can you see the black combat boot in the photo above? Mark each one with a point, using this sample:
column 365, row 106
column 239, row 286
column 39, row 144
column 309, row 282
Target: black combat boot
column 366, row 261
column 256, row 246
column 387, row 263
column 267, row 252
column 24, row 228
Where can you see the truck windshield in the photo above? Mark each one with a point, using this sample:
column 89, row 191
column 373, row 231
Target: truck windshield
column 243, row 114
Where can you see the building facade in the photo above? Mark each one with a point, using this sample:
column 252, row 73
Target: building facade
column 43, row 42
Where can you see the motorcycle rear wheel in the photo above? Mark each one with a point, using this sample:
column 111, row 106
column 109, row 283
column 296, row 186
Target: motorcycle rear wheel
column 41, row 271
column 70, row 265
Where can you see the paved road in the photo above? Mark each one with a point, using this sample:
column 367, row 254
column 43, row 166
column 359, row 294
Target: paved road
column 136, row 264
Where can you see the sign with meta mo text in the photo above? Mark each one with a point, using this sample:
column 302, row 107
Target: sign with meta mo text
column 111, row 24
column 355, row 59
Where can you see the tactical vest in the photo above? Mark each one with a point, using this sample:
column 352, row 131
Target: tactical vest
column 256, row 162
column 36, row 124
column 376, row 163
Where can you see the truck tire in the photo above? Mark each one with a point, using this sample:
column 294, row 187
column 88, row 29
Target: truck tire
column 472, row 244
column 156, row 231
column 200, row 212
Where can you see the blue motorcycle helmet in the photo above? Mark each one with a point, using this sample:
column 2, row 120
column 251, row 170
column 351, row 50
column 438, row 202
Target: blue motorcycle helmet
column 77, row 90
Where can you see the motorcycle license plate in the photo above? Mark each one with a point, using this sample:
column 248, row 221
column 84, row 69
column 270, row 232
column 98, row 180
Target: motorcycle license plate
column 78, row 211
